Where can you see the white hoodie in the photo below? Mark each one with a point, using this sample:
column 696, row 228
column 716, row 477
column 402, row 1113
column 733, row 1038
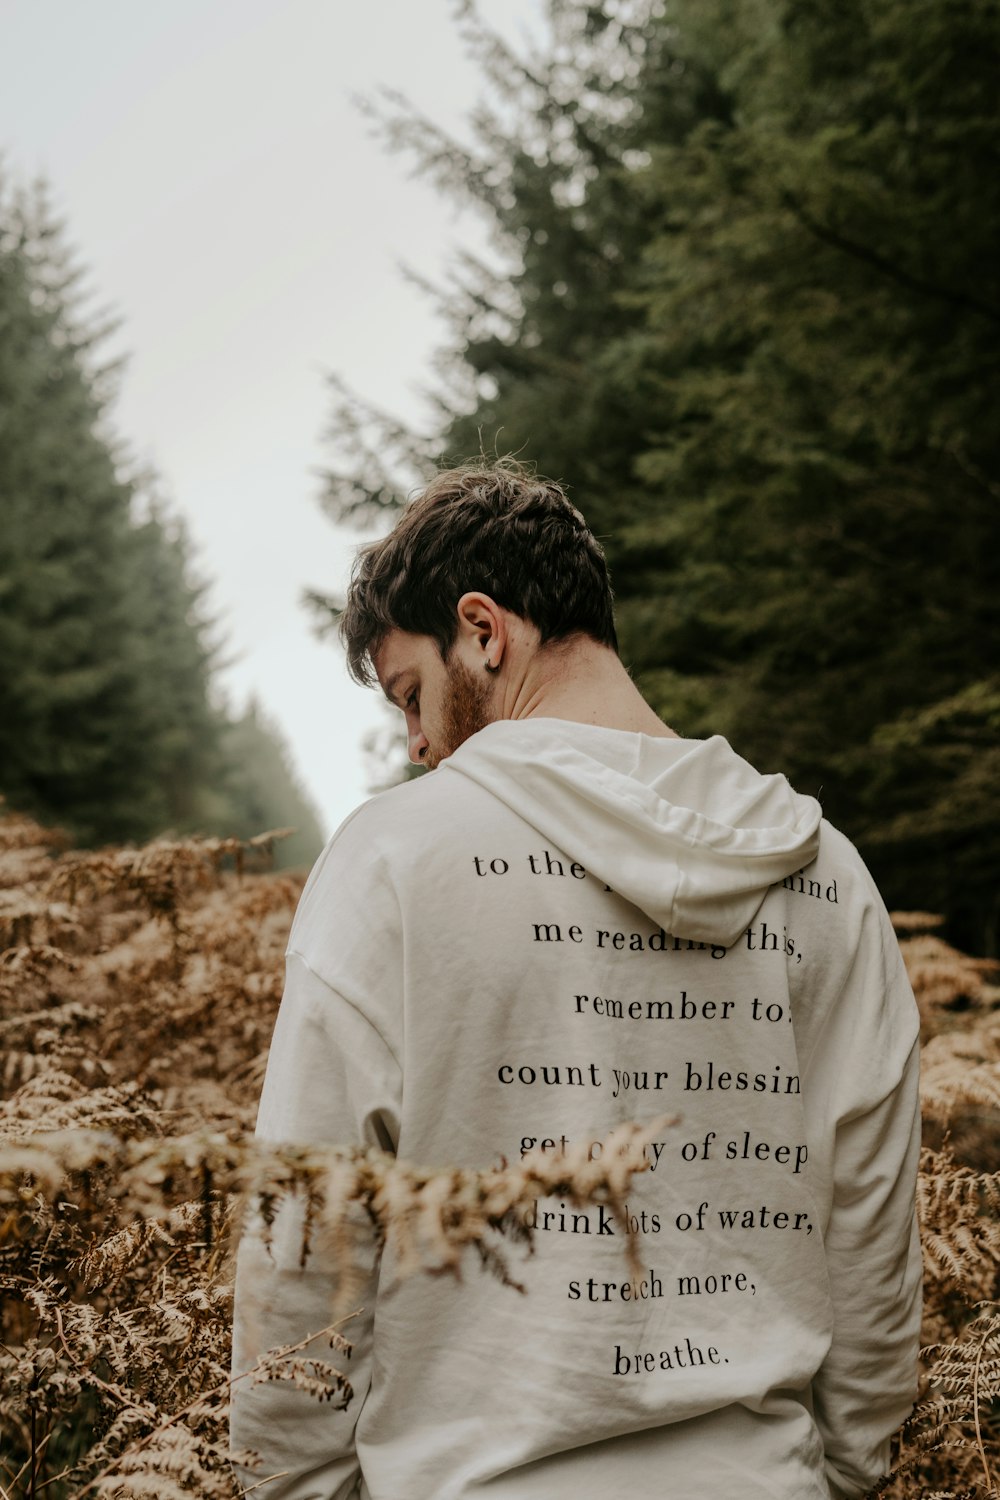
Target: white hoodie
column 562, row 928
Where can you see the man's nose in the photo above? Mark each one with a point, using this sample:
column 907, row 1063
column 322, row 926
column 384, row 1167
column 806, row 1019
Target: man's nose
column 417, row 745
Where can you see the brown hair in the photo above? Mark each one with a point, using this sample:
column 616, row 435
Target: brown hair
column 495, row 527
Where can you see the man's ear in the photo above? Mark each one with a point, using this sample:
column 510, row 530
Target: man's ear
column 482, row 630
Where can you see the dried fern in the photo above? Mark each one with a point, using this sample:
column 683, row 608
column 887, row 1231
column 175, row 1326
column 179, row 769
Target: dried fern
column 138, row 990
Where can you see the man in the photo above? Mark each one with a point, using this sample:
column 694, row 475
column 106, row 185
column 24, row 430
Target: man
column 579, row 919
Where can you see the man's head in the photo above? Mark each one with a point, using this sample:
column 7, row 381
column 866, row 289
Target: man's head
column 483, row 548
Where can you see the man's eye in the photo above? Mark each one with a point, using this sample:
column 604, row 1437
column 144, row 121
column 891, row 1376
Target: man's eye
column 412, row 701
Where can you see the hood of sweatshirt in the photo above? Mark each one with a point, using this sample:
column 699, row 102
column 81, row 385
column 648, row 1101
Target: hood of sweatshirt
column 686, row 830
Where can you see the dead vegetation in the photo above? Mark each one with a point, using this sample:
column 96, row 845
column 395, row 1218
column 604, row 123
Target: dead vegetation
column 138, row 990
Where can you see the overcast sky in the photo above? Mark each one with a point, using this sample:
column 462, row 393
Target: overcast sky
column 231, row 206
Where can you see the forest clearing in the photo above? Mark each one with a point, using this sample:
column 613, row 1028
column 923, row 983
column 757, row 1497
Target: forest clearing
column 138, row 990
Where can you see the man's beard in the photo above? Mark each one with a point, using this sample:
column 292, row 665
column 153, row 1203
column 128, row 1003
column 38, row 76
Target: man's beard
column 467, row 708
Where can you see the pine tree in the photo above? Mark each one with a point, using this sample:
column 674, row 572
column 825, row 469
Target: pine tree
column 263, row 792
column 109, row 722
column 824, row 284
column 750, row 318
column 182, row 726
column 68, row 681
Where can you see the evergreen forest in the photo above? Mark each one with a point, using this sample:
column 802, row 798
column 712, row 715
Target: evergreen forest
column 743, row 298
column 111, row 725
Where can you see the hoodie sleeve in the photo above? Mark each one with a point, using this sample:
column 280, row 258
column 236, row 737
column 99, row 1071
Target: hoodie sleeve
column 867, row 1383
column 331, row 1079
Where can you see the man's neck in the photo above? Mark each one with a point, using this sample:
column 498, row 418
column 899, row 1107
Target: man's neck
column 578, row 680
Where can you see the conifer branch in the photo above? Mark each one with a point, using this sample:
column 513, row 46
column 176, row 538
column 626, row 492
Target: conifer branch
column 840, row 241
